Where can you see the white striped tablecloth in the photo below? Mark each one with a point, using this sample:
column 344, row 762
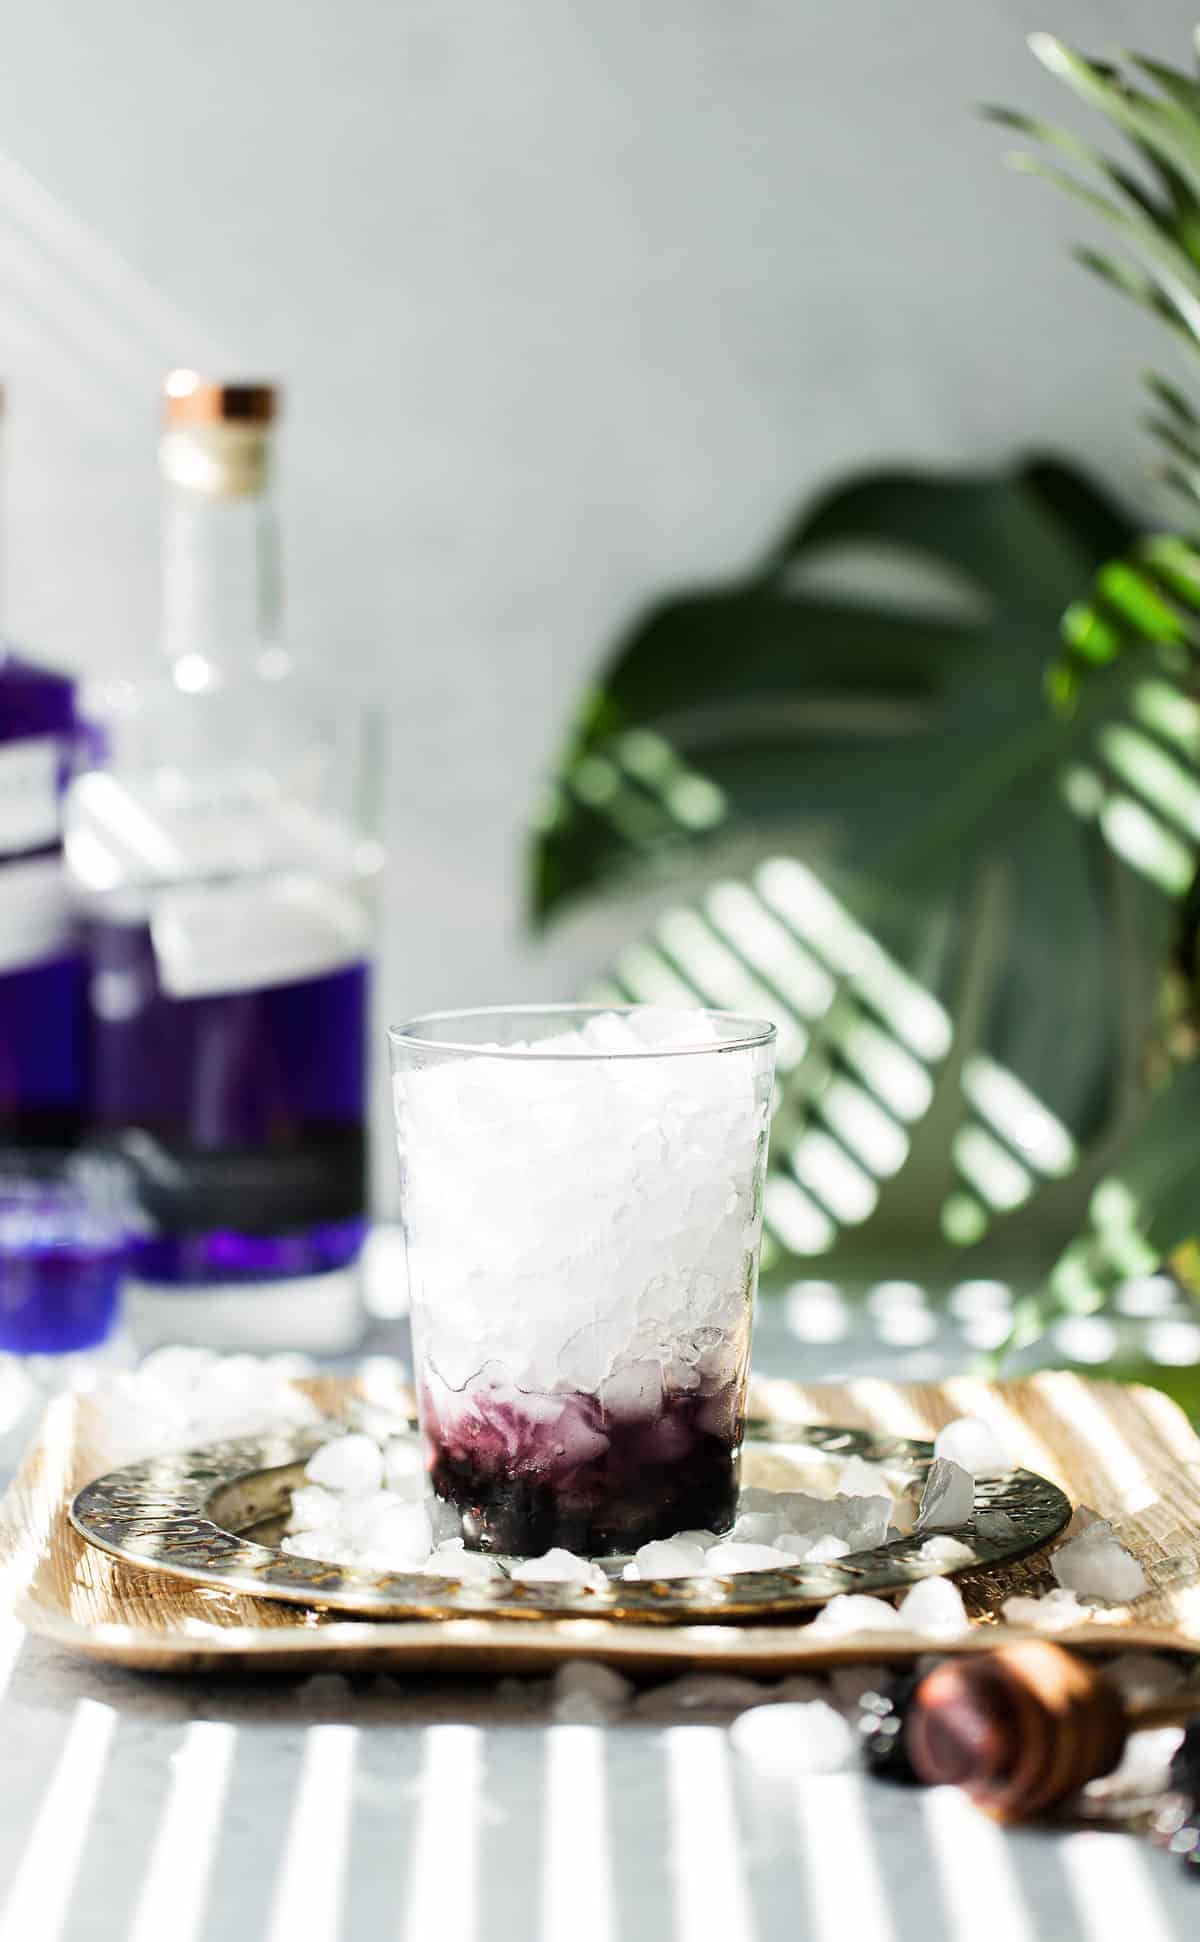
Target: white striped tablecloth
column 139, row 1810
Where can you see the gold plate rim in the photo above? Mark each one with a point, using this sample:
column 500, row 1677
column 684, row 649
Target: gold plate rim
column 156, row 1515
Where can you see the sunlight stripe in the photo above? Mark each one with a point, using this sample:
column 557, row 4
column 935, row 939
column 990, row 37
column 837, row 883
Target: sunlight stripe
column 174, row 1892
column 706, row 1855
column 1113, row 1888
column 577, row 1861
column 975, row 1868
column 311, row 1877
column 845, row 1896
column 443, row 1889
column 40, row 1897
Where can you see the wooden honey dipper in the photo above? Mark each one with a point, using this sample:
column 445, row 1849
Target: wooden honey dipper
column 1022, row 1727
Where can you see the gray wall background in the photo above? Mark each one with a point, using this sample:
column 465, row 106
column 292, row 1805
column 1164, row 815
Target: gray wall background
column 572, row 301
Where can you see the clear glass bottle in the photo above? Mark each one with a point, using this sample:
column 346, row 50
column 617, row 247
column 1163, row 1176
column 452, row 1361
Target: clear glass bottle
column 221, row 852
column 41, row 983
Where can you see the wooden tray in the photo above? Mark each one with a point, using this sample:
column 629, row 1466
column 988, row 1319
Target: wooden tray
column 1127, row 1452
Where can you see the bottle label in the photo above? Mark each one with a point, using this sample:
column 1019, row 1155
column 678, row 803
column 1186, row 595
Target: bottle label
column 219, row 938
column 37, row 922
column 29, row 780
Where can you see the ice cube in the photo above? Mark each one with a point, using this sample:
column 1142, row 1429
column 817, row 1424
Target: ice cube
column 996, row 1525
column 975, row 1446
column 1096, row 1564
column 710, row 1692
column 587, row 1694
column 452, row 1560
column 782, row 1740
column 935, row 1606
column 666, row 1558
column 180, row 1371
column 758, row 1527
column 404, row 1466
column 1054, row 1611
column 851, row 1683
column 854, row 1611
column 728, row 1559
column 858, row 1478
column 800, row 1687
column 1143, row 1676
column 946, row 1550
column 313, row 1508
column 609, row 1032
column 395, row 1535
column 704, row 1540
column 948, row 1497
column 826, row 1550
column 559, row 1567
column 347, row 1463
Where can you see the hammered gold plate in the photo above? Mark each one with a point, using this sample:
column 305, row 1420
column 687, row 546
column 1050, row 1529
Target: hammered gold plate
column 213, row 1516
column 1127, row 1452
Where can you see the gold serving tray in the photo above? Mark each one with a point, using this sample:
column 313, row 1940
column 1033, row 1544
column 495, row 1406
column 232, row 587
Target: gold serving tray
column 1127, row 1452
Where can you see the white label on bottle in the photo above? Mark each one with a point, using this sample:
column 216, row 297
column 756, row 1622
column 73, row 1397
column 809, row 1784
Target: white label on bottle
column 218, row 938
column 36, row 917
column 29, row 814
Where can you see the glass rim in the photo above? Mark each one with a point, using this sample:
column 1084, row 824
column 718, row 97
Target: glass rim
column 750, row 1032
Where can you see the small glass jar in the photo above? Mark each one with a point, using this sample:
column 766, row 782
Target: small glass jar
column 64, row 1235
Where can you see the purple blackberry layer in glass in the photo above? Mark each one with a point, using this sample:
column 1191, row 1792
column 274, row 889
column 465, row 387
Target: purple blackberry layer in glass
column 41, row 1053
column 58, row 1297
column 243, row 1114
column 520, row 1490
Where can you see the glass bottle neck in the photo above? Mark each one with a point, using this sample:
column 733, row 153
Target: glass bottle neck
column 220, row 591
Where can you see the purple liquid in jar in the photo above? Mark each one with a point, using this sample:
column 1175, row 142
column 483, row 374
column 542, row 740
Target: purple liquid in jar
column 62, row 1252
column 242, row 1115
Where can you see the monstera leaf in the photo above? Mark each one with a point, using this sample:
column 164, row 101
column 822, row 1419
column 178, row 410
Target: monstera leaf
column 956, row 905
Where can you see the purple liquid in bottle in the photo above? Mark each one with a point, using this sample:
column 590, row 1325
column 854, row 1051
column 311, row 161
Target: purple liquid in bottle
column 242, row 1114
column 41, row 981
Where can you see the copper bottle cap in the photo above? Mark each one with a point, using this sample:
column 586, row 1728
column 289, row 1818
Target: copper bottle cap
column 190, row 399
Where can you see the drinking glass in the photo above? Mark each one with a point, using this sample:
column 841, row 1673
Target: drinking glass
column 582, row 1208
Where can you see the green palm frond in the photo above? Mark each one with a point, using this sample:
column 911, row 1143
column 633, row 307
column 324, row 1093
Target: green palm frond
column 1153, row 205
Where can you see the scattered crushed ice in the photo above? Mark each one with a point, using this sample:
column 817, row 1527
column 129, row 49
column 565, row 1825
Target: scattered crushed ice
column 826, row 1550
column 858, row 1478
column 1054, row 1611
column 948, row 1497
column 451, row 1559
column 974, row 1446
column 350, row 1463
column 946, row 1550
column 1095, row 1564
column 782, row 1740
column 559, row 1567
column 587, row 1694
column 935, row 1606
column 726, row 1560
column 330, row 1691
column 855, row 1611
column 996, row 1525
column 851, row 1682
column 668, row 1558
column 695, row 1692
column 314, row 1508
column 1143, row 1676
column 181, row 1397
